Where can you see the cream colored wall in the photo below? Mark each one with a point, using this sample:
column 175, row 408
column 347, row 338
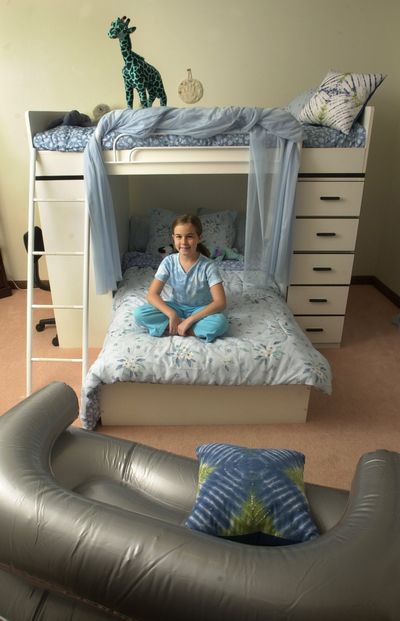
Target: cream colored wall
column 56, row 55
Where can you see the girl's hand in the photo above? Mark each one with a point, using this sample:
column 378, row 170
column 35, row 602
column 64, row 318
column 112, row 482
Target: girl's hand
column 174, row 323
column 183, row 327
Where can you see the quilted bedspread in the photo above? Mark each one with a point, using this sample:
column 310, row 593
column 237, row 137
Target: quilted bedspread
column 264, row 345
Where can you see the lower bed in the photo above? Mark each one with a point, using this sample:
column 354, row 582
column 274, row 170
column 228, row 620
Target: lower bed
column 261, row 372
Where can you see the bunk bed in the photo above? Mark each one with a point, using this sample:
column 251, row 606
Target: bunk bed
column 57, row 173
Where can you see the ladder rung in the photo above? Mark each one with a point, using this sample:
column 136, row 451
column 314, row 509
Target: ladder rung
column 58, row 200
column 56, row 359
column 59, row 306
column 57, row 254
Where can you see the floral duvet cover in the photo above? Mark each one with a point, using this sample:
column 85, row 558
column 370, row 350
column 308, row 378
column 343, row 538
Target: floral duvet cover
column 264, row 345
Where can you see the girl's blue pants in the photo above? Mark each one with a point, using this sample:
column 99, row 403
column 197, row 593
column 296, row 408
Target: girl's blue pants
column 208, row 328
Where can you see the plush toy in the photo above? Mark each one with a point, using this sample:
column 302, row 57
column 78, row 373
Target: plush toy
column 74, row 118
column 227, row 254
column 99, row 111
column 77, row 119
column 167, row 249
column 137, row 73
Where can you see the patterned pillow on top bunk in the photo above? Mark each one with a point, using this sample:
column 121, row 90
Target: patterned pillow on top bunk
column 340, row 99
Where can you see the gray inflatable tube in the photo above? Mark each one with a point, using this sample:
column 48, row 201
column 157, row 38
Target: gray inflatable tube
column 91, row 528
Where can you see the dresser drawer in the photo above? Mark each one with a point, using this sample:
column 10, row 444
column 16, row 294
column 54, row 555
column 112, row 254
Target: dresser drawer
column 322, row 329
column 329, row 198
column 317, row 300
column 325, row 234
column 321, row 269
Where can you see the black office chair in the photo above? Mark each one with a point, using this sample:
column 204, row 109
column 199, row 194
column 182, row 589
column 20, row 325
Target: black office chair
column 38, row 246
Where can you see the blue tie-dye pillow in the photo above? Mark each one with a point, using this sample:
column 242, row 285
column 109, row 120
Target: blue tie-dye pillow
column 340, row 99
column 243, row 491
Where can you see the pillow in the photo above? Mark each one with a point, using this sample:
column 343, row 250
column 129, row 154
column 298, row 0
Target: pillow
column 297, row 104
column 218, row 229
column 138, row 233
column 340, row 99
column 159, row 229
column 243, row 491
column 239, row 223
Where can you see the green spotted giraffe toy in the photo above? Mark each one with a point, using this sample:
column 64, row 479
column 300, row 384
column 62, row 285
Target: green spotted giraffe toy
column 137, row 73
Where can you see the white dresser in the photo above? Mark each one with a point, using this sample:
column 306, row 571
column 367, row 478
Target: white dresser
column 327, row 214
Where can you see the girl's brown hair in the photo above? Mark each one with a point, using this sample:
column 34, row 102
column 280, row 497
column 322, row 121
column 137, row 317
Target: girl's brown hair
column 196, row 223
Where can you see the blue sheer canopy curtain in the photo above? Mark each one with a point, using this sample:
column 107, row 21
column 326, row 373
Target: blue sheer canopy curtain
column 275, row 143
column 274, row 166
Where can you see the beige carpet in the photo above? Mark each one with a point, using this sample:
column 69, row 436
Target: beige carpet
column 362, row 414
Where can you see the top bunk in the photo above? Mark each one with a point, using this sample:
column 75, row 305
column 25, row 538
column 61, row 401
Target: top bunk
column 59, row 151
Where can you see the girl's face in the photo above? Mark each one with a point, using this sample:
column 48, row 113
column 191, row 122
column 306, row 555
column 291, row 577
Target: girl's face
column 185, row 239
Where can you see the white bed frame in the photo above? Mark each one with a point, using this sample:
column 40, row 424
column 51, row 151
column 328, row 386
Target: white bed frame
column 192, row 160
column 58, row 177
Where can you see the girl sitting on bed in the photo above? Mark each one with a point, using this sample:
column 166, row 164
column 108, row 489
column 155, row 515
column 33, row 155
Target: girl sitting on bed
column 197, row 293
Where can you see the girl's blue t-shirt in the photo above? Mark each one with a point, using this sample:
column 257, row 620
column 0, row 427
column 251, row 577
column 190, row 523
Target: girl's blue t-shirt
column 191, row 288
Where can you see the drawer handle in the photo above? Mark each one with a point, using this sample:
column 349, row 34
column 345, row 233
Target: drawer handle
column 322, row 269
column 330, row 198
column 326, row 234
column 314, row 329
column 317, row 300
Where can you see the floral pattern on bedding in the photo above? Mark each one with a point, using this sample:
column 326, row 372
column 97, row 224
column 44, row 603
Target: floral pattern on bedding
column 324, row 137
column 70, row 138
column 264, row 345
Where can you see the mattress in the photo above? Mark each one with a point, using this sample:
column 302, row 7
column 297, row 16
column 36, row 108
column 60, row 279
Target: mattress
column 74, row 139
column 264, row 344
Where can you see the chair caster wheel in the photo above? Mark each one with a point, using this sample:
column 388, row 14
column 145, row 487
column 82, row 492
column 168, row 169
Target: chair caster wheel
column 40, row 327
column 55, row 341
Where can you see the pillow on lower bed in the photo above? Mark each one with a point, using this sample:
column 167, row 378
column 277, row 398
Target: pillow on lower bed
column 218, row 229
column 138, row 233
column 239, row 220
column 243, row 491
column 340, row 99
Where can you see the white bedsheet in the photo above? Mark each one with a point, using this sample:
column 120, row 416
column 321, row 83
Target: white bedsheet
column 264, row 345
